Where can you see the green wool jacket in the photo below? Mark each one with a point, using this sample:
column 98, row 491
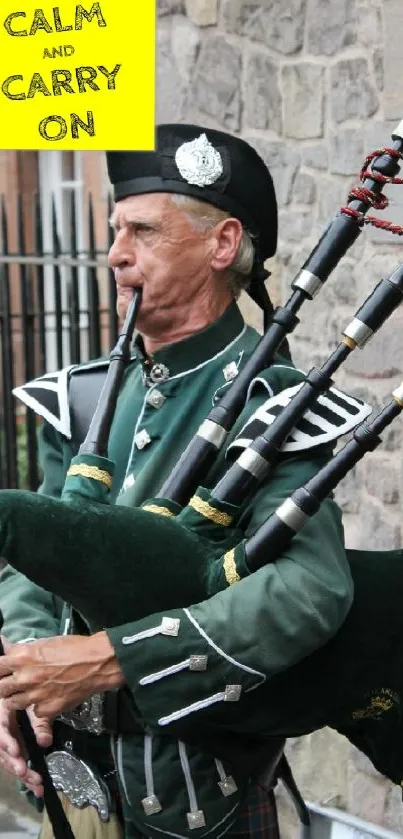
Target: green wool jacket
column 247, row 633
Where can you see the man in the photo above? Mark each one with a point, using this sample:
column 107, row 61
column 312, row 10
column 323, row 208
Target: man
column 194, row 223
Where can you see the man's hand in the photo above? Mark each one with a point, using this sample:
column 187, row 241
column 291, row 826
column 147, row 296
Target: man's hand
column 12, row 750
column 56, row 674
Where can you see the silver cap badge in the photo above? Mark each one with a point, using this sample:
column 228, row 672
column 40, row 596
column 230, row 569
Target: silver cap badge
column 199, row 162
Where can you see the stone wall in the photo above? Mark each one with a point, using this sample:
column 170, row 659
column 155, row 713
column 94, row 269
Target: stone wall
column 312, row 84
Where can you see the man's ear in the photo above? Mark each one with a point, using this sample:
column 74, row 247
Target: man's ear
column 228, row 235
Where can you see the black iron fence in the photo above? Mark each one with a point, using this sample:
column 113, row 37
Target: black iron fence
column 57, row 307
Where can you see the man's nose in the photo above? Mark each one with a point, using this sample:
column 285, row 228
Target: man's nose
column 120, row 253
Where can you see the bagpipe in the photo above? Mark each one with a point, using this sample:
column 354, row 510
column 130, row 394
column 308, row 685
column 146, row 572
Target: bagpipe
column 81, row 547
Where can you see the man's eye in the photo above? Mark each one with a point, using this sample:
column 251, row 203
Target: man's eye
column 140, row 227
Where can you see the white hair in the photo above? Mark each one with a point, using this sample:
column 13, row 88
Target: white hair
column 202, row 216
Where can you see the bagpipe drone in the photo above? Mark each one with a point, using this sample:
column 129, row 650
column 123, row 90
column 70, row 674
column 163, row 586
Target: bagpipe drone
column 355, row 682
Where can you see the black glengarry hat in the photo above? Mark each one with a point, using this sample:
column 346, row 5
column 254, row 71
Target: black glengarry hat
column 207, row 164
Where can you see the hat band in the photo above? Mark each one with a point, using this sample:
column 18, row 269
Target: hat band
column 141, row 186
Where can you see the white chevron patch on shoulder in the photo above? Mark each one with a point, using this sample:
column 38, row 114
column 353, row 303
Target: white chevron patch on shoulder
column 48, row 397
column 334, row 414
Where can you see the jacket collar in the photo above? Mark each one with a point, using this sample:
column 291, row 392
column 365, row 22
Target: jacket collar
column 199, row 348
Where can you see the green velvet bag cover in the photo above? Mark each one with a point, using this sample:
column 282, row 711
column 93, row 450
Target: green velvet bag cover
column 81, row 548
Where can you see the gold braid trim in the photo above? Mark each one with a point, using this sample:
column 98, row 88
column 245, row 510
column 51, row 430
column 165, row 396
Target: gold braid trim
column 161, row 511
column 85, row 471
column 231, row 574
column 210, row 512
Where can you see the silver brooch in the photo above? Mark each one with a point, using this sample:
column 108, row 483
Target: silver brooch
column 87, row 716
column 159, row 373
column 199, row 162
column 79, row 782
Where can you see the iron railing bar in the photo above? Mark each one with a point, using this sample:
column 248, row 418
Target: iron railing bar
column 74, row 304
column 10, row 417
column 57, row 288
column 93, row 289
column 40, row 291
column 28, row 346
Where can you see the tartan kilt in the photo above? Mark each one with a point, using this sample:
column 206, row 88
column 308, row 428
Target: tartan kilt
column 258, row 817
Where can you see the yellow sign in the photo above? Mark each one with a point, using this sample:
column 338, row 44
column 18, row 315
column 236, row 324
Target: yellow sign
column 77, row 76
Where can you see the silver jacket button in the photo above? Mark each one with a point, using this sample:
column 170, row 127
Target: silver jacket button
column 155, row 398
column 151, row 805
column 196, row 819
column 142, row 439
column 230, row 371
column 228, row 786
column 198, row 662
column 232, row 693
column 170, row 626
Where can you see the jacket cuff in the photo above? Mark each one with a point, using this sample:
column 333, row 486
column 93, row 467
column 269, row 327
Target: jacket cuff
column 173, row 668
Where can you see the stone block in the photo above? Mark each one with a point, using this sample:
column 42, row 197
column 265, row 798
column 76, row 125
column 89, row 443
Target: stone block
column 320, row 778
column 352, row 531
column 262, row 101
column 393, row 815
column 381, row 476
column 216, row 85
column 315, row 156
column 348, row 493
column 303, row 100
column 169, row 82
column 331, row 26
column 292, row 257
column 378, row 133
column 369, row 14
column 170, row 7
column 393, row 58
column 278, row 25
column 342, row 286
column 320, row 328
column 346, row 151
column 304, row 191
column 332, row 194
column 295, row 225
column 380, row 530
column 283, row 162
column 367, row 797
column 185, row 46
column 392, row 440
column 375, row 265
column 377, row 59
column 353, row 95
column 304, row 355
column 202, row 12
column 382, row 357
